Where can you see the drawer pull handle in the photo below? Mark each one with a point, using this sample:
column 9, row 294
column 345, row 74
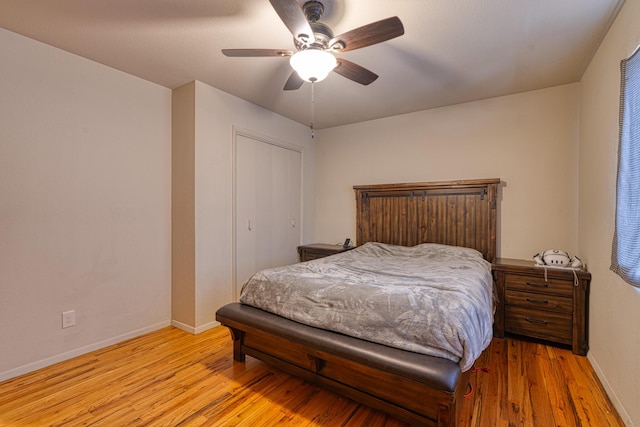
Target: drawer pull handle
column 538, row 285
column 530, row 320
column 536, row 300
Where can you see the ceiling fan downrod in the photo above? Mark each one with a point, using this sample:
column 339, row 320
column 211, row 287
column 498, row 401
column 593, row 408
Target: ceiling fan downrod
column 313, row 10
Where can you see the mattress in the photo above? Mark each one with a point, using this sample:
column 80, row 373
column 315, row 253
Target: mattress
column 431, row 299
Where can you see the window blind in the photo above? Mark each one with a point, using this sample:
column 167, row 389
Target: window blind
column 625, row 254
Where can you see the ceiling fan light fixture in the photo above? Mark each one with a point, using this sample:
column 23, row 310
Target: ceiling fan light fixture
column 313, row 65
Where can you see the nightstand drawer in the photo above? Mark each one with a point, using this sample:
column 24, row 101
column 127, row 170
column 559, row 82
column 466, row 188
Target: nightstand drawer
column 310, row 256
column 539, row 301
column 547, row 325
column 537, row 284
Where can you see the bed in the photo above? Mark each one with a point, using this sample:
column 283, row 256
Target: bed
column 421, row 388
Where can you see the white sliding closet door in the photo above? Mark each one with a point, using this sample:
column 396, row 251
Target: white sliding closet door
column 268, row 206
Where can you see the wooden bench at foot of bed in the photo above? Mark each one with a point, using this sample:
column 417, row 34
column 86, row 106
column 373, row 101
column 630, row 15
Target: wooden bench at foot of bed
column 416, row 388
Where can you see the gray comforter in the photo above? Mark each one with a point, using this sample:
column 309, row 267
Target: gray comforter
column 431, row 299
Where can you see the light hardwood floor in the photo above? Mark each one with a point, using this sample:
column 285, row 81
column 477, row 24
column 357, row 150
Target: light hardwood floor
column 172, row 378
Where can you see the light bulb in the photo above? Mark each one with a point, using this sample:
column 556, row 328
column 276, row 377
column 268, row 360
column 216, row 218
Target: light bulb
column 313, row 65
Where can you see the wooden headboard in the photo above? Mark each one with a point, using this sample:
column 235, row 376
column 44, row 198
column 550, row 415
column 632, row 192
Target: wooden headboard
column 459, row 213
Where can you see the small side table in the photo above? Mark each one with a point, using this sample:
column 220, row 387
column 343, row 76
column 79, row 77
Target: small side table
column 320, row 250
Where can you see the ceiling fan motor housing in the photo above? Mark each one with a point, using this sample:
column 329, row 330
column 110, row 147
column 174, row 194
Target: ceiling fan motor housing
column 322, row 34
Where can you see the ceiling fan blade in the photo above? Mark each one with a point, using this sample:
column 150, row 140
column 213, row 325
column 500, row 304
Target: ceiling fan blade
column 367, row 35
column 293, row 82
column 354, row 72
column 256, row 52
column 295, row 20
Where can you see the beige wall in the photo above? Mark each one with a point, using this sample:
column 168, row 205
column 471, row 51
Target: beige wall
column 615, row 306
column 204, row 262
column 183, row 227
column 84, row 204
column 528, row 140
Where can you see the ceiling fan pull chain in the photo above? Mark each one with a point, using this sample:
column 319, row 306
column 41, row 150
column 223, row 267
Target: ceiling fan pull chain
column 312, row 109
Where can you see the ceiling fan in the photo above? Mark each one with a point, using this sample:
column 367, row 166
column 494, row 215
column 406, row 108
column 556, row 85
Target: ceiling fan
column 316, row 45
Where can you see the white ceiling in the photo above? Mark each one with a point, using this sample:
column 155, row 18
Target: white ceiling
column 453, row 51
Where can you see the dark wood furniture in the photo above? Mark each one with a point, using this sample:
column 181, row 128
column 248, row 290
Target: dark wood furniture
column 420, row 389
column 458, row 213
column 554, row 308
column 319, row 250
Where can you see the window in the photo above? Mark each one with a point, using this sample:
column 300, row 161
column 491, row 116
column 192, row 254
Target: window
column 625, row 255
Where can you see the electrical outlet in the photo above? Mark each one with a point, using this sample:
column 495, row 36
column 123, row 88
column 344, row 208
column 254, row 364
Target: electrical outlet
column 68, row 319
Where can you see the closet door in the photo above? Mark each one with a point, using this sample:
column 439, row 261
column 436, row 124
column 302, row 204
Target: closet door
column 267, row 206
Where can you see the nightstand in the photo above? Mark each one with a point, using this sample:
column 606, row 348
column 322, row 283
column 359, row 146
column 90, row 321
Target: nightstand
column 552, row 307
column 319, row 250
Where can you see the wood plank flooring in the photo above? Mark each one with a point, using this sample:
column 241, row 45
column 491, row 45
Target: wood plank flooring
column 172, row 378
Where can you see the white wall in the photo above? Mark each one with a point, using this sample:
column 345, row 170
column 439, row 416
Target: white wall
column 84, row 204
column 615, row 307
column 217, row 116
column 528, row 140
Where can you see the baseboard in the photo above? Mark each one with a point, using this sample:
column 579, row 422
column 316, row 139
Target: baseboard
column 196, row 330
column 610, row 392
column 30, row 367
column 183, row 326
